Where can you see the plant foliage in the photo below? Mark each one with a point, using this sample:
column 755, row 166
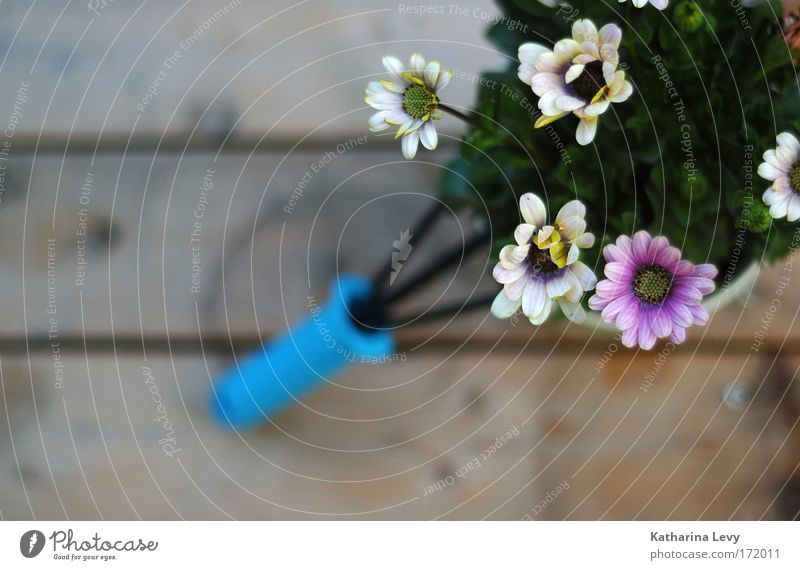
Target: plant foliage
column 713, row 84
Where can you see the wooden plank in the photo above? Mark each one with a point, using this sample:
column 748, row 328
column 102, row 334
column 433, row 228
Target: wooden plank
column 154, row 227
column 258, row 253
column 211, row 68
column 215, row 68
column 368, row 448
column 651, row 438
column 414, row 439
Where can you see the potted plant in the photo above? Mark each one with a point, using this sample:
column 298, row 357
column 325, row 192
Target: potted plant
column 634, row 158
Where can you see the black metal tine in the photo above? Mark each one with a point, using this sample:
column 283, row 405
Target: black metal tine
column 427, row 222
column 437, row 264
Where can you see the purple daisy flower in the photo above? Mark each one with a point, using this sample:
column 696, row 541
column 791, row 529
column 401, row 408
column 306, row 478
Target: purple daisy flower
column 651, row 292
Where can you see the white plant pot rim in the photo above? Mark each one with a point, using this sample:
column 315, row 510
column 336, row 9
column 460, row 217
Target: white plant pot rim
column 716, row 301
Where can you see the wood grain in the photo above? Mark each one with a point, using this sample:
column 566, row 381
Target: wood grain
column 418, row 440
column 204, row 69
column 166, row 253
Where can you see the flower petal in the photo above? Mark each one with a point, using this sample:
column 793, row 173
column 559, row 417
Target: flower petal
column 432, row 73
column 618, row 271
column 503, row 307
column 533, row 209
column 557, row 286
column 613, row 308
column 587, row 129
column 585, row 240
column 409, row 144
column 610, row 34
column 574, row 72
column 394, row 66
column 377, row 122
column 512, row 255
column 428, row 136
column 678, row 335
column 573, row 311
column 416, row 64
column 503, row 275
column 641, row 243
column 769, row 172
column 584, row 31
column 524, row 233
column 585, row 275
column 661, row 323
column 534, row 298
column 647, row 338
column 630, row 337
column 527, row 54
column 628, row 316
column 444, row 79
column 514, row 289
column 570, row 209
column 542, row 316
column 790, row 142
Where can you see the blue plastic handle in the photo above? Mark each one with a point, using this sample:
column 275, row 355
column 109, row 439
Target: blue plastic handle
column 301, row 359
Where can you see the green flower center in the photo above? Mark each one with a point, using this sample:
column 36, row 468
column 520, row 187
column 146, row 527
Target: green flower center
column 652, row 284
column 541, row 261
column 590, row 81
column 419, row 101
column 794, row 178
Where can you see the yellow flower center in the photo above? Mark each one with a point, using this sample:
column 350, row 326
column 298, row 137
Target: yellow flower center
column 419, row 101
column 652, row 284
column 548, row 253
column 589, row 83
column 794, row 178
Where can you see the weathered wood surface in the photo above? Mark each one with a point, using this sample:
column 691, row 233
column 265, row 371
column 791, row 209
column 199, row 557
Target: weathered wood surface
column 621, row 443
column 178, row 244
column 577, row 400
column 243, row 68
column 632, row 435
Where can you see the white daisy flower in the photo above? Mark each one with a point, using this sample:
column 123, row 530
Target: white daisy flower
column 782, row 166
column 408, row 100
column 660, row 4
column 578, row 76
column 543, row 268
